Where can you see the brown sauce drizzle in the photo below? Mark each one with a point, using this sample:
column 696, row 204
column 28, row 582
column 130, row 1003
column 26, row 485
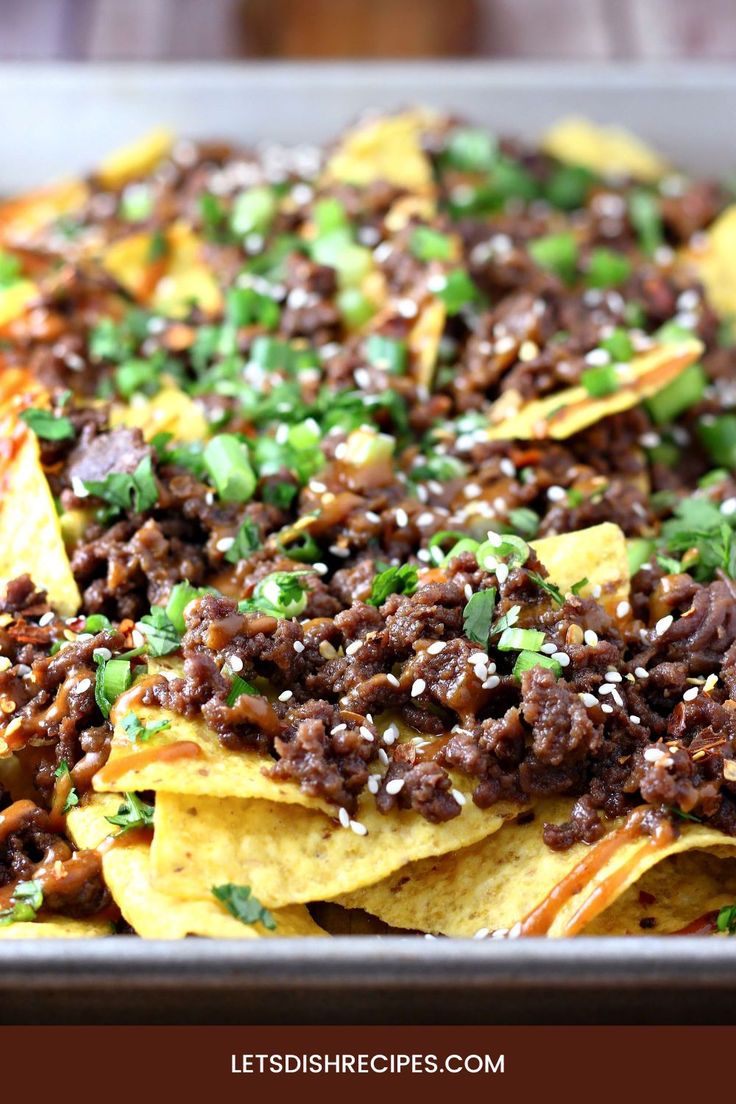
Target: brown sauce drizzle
column 166, row 753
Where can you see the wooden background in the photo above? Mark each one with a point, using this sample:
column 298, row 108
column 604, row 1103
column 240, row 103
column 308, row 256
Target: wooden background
column 228, row 29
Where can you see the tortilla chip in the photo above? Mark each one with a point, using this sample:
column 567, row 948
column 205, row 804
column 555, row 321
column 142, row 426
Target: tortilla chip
column 567, row 412
column 609, row 151
column 489, row 886
column 715, row 261
column 389, row 149
column 30, row 532
column 170, row 283
column 153, row 914
column 670, row 896
column 57, row 927
column 15, row 299
column 424, row 340
column 25, row 215
column 171, row 411
column 136, row 159
column 597, row 554
column 216, row 771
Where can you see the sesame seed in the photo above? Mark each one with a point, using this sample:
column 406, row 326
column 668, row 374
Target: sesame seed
column 623, row 609
column 83, row 686
column 641, row 672
column 507, row 467
column 354, row 647
column 607, row 708
column 402, row 518
column 320, row 568
column 616, row 696
column 344, row 817
column 634, row 719
column 728, row 507
column 548, row 648
column 606, row 688
column 612, row 676
column 590, row 637
column 391, row 734
column 102, row 653
column 79, row 488
column 395, row 786
column 298, row 646
column 481, row 933
column 338, row 728
column 459, row 797
column 46, row 619
column 502, row 572
column 224, row 544
column 358, row 828
column 366, row 734
column 491, row 682
column 652, row 754
column 236, row 663
column 373, row 784
column 285, row 695
column 382, row 756
column 437, row 647
column 478, row 657
column 691, row 694
column 392, row 679
column 588, row 700
column 373, row 517
column 562, row 658
column 468, row 591
column 663, row 624
column 418, row 688
column 556, row 494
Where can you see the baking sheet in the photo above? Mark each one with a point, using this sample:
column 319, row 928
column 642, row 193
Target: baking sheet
column 61, row 119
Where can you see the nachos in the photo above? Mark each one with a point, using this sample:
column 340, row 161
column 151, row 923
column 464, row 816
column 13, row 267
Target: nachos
column 367, row 540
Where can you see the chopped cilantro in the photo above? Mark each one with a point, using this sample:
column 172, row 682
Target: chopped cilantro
column 113, row 678
column 48, row 426
column 72, row 797
column 726, row 919
column 478, row 616
column 394, row 580
column 700, row 529
column 247, row 541
column 240, row 903
column 136, row 730
column 125, row 492
column 27, row 900
column 578, row 586
column 132, row 813
column 549, row 588
column 161, row 634
column 10, row 270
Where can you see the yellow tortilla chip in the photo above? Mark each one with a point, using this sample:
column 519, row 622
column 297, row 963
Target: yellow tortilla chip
column 153, row 914
column 15, row 298
column 609, row 151
column 715, row 261
column 424, row 340
column 171, row 411
column 136, row 159
column 215, row 771
column 30, row 532
column 489, row 886
column 567, row 412
column 290, row 854
column 25, row 215
column 57, row 927
column 387, row 149
column 597, row 554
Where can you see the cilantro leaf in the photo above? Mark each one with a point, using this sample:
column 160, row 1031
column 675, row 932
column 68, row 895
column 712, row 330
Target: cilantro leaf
column 549, row 588
column 506, row 620
column 27, row 900
column 134, row 728
column 700, row 529
column 125, row 492
column 478, row 616
column 240, row 903
column 247, row 541
column 160, row 632
column 72, row 797
column 726, row 919
column 238, row 687
column 578, row 586
column 394, row 580
column 132, row 813
column 46, row 425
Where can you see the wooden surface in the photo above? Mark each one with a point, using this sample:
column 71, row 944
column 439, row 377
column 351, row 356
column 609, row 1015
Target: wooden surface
column 211, row 29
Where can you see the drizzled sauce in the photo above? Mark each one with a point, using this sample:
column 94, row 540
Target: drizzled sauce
column 166, row 753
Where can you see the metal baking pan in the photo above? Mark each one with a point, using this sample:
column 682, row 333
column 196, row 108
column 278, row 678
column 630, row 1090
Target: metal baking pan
column 61, row 119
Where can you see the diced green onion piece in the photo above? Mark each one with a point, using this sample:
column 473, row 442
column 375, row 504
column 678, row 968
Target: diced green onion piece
column 714, row 477
column 238, row 687
column 351, row 262
column 459, row 291
column 600, row 381
column 666, row 452
column 427, row 244
column 619, row 345
column 526, row 660
column 524, row 521
column 116, row 678
column 226, row 460
column 136, row 202
column 568, row 186
column 638, row 551
column 244, row 306
column 718, row 434
column 672, row 333
column 366, row 447
column 181, row 595
column 471, row 150
column 387, row 353
column 329, row 214
column 439, row 540
column 607, row 268
column 303, row 548
column 467, row 544
column 507, row 547
column 677, row 396
column 132, row 376
column 556, row 253
column 282, row 591
column 253, row 211
column 646, row 219
column 520, row 640
column 270, row 352
column 355, row 308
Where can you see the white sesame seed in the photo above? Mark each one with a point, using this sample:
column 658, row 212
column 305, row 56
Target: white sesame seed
column 102, row 653
column 590, row 637
column 235, row 663
column 468, row 591
column 728, row 507
column 317, row 487
column 395, row 786
column 354, row 647
column 373, row 517
column 616, row 696
column 634, row 719
column 320, row 568
column 392, row 679
column 502, row 572
column 481, row 933
column 562, row 658
column 607, row 708
column 606, row 688
column 641, row 672
column 374, row 783
column 391, row 735
column 652, row 754
column 459, row 797
column 507, row 467
column 548, row 648
column 224, row 544
column 588, row 700
column 79, row 488
column 338, row 728
column 83, row 686
column 298, row 646
column 402, row 518
column 612, row 676
column 418, row 688
column 382, row 756
column 437, row 647
column 663, row 624
column 46, row 619
column 358, row 828
column 481, row 672
column 478, row 657
column 623, row 609
column 691, row 694
column 366, row 734
column 491, row 682
column 285, row 695
column 556, row 494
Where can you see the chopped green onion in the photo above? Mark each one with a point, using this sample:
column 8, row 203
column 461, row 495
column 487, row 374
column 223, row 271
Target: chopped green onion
column 679, row 395
column 238, row 687
column 285, row 592
column 387, row 353
column 638, row 551
column 133, row 375
column 506, row 547
column 568, row 186
column 26, row 900
column 439, row 540
column 645, row 217
column 136, row 203
column 600, row 381
column 525, row 661
column 619, row 345
column 718, row 434
column 181, row 595
column 244, row 307
column 467, row 544
column 672, row 333
column 46, row 425
column 520, row 640
column 351, row 262
column 459, row 291
column 253, row 211
column 607, row 268
column 524, row 521
column 329, row 214
column 556, row 253
column 355, row 307
column 113, row 678
column 471, row 150
column 10, row 269
column 427, row 244
column 226, row 460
